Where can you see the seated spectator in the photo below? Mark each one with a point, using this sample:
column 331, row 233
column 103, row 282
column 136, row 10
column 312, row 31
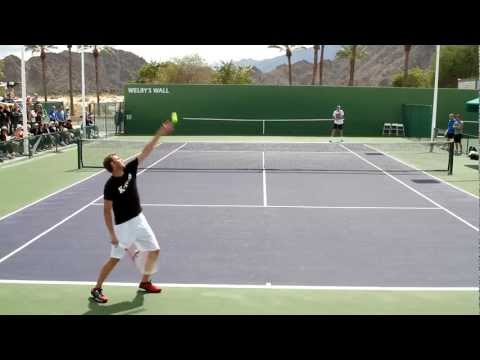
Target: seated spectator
column 35, row 130
column 92, row 129
column 69, row 125
column 6, row 150
column 18, row 135
column 44, row 128
column 16, row 115
column 67, row 114
column 7, row 113
column 66, row 136
column 4, row 134
column 39, row 117
column 51, row 127
column 3, row 118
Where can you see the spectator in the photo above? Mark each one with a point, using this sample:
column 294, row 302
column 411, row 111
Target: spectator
column 8, row 114
column 65, row 135
column 69, row 125
column 33, row 115
column 92, row 129
column 3, row 118
column 450, row 130
column 18, row 135
column 6, row 147
column 67, row 114
column 118, row 121
column 457, row 134
column 39, row 116
column 61, row 116
column 52, row 128
column 4, row 134
column 44, row 128
column 35, row 130
column 16, row 115
column 52, row 113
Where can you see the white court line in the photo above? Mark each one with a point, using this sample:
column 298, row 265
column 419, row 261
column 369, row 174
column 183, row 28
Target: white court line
column 242, row 286
column 289, row 206
column 413, row 167
column 264, row 180
column 77, row 212
column 414, row 190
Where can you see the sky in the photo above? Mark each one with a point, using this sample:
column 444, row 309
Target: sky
column 212, row 54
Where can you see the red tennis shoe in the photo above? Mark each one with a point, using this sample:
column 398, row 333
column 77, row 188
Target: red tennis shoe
column 149, row 287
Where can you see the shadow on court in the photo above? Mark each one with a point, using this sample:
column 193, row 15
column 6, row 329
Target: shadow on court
column 104, row 309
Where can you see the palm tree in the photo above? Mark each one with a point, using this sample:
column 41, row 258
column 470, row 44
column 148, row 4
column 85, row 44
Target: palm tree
column 407, row 49
column 315, row 62
column 42, row 49
column 320, row 82
column 97, row 49
column 288, row 51
column 72, row 112
column 352, row 53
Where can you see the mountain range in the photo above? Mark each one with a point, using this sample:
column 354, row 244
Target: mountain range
column 268, row 65
column 376, row 69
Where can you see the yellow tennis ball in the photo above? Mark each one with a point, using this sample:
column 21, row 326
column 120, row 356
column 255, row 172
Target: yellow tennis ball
column 174, row 118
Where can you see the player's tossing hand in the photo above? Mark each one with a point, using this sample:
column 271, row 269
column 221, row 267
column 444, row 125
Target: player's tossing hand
column 167, row 127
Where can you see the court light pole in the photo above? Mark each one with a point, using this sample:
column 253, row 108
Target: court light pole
column 435, row 96
column 24, row 102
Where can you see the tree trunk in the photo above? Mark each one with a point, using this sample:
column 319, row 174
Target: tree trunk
column 72, row 112
column 320, row 82
column 405, row 67
column 352, row 65
column 289, row 69
column 95, row 55
column 44, row 74
column 315, row 63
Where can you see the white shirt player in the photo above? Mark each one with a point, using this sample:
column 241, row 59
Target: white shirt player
column 338, row 117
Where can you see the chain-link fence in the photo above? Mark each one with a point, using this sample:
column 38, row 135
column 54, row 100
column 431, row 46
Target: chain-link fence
column 105, row 120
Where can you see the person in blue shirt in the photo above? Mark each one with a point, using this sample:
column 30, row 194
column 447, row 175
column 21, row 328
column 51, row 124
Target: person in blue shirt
column 60, row 115
column 52, row 113
column 450, row 129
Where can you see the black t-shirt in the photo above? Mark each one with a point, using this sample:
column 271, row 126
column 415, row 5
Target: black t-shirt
column 124, row 194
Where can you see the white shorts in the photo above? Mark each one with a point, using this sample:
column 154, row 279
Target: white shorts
column 134, row 231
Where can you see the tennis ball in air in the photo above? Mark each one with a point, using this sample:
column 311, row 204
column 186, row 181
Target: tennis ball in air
column 174, row 118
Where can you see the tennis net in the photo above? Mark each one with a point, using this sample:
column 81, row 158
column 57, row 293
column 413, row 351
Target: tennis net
column 291, row 157
column 255, row 126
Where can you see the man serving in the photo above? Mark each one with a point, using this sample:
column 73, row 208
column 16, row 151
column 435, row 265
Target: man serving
column 131, row 227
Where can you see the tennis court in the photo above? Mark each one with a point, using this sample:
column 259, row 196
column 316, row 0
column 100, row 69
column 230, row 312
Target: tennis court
column 259, row 215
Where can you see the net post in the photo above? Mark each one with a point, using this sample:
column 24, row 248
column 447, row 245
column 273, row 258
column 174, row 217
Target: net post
column 79, row 153
column 263, row 127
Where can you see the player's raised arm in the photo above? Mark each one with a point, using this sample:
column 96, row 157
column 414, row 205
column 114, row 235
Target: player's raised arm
column 165, row 129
